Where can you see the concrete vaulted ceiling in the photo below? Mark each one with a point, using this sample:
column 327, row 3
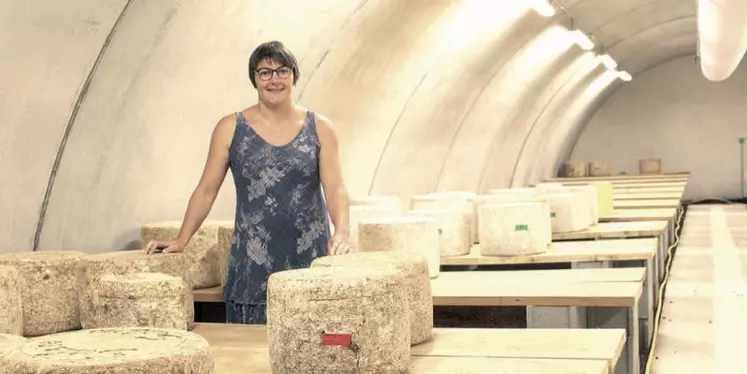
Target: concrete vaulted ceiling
column 114, row 101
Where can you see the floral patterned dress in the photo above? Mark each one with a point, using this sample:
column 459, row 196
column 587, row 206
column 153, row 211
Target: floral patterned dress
column 281, row 217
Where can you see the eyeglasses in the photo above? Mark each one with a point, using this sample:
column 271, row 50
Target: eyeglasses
column 266, row 74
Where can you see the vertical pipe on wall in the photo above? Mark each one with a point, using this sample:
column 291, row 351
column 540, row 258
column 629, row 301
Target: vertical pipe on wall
column 741, row 166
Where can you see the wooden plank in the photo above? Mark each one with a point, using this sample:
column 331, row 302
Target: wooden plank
column 645, row 188
column 567, row 251
column 473, row 288
column 682, row 185
column 634, row 215
column 450, row 292
column 645, row 195
column 244, row 349
column 666, row 176
column 645, row 204
column 616, row 230
column 604, row 344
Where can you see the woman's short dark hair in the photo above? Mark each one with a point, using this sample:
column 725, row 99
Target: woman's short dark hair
column 276, row 52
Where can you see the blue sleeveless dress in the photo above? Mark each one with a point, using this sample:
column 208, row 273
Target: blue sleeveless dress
column 281, row 217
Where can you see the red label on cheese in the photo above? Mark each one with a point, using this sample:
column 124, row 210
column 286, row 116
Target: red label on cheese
column 344, row 340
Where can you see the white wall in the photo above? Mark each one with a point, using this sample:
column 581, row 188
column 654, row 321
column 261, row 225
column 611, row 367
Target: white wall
column 673, row 113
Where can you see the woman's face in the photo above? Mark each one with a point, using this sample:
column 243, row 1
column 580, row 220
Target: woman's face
column 274, row 81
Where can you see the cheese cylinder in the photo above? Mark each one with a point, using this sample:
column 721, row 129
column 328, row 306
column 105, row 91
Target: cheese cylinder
column 518, row 191
column 48, row 294
column 604, row 198
column 407, row 233
column 95, row 266
column 381, row 200
column 445, row 200
column 590, row 192
column 504, row 195
column 574, row 169
column 453, row 229
column 514, row 228
column 548, row 187
column 225, row 243
column 599, row 169
column 357, row 212
column 141, row 300
column 112, row 351
column 338, row 320
column 417, row 284
column 569, row 211
column 201, row 252
column 9, row 342
column 649, row 166
column 11, row 303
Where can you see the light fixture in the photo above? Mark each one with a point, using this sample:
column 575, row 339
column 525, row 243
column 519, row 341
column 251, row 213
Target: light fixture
column 542, row 7
column 624, row 75
column 582, row 40
column 607, row 61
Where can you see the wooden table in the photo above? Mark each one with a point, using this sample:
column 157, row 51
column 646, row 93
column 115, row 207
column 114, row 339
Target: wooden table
column 554, row 298
column 244, row 349
column 584, row 256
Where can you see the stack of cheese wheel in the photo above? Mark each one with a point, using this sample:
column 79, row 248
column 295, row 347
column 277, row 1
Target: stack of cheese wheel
column 598, row 169
column 500, row 195
column 382, row 200
column 338, row 320
column 141, row 300
column 49, row 298
column 649, row 166
column 515, row 228
column 357, row 212
column 11, row 303
column 604, row 198
column 453, row 229
column 569, row 210
column 202, row 252
column 115, row 350
column 463, row 201
column 93, row 267
column 592, row 201
column 574, row 169
column 406, row 233
column 417, row 284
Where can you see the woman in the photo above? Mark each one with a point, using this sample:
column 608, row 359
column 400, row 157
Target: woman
column 280, row 156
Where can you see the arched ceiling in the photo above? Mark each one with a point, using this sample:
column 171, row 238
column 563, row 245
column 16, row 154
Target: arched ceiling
column 425, row 94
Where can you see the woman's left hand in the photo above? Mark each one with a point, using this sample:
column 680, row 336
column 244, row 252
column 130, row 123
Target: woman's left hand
column 338, row 244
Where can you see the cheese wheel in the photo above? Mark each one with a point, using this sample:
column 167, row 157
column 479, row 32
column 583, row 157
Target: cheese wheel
column 590, row 192
column 574, row 169
column 463, row 202
column 382, row 200
column 518, row 191
column 225, row 242
column 599, row 169
column 514, row 228
column 7, row 343
column 141, row 300
column 417, row 284
column 507, row 195
column 201, row 251
column 95, row 266
column 112, row 351
column 357, row 212
column 48, row 294
column 569, row 211
column 338, row 320
column 604, row 198
column 407, row 233
column 453, row 227
column 649, row 166
column 11, row 304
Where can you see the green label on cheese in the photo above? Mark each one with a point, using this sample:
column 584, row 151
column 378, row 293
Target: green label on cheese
column 522, row 227
column 440, row 231
column 553, row 215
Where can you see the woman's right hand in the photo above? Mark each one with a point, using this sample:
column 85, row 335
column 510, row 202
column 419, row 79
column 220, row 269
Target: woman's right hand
column 165, row 246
